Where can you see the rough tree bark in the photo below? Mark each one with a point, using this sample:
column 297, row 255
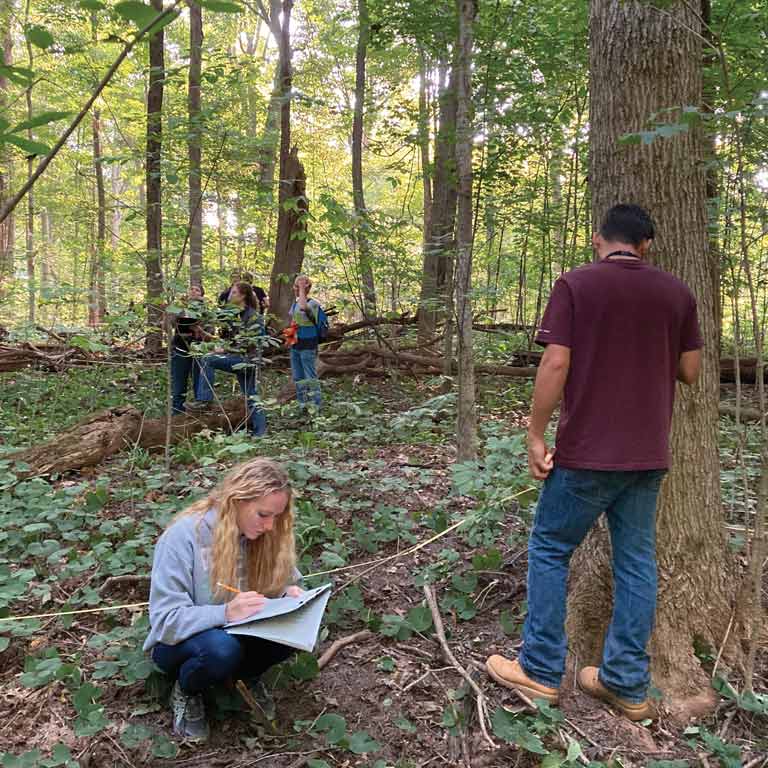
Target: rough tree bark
column 292, row 201
column 643, row 61
column 154, row 267
column 194, row 144
column 270, row 139
column 361, row 213
column 438, row 251
column 466, row 428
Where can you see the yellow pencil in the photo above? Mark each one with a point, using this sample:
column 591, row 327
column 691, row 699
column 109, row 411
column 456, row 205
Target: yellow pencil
column 228, row 588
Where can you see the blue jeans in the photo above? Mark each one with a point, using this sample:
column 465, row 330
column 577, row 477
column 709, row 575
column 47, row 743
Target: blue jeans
column 214, row 656
column 246, row 377
column 182, row 366
column 570, row 503
column 304, row 369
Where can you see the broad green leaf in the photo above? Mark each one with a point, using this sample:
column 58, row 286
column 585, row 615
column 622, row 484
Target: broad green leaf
column 221, row 6
column 26, row 760
column 60, row 755
column 466, row 583
column 313, row 762
column 334, row 727
column 134, row 735
column 92, row 5
column 30, row 147
column 420, row 618
column 137, row 12
column 3, row 125
column 553, row 760
column 4, row 643
column 508, row 727
column 163, row 747
column 404, row 724
column 361, row 743
column 37, row 120
column 304, row 667
column 39, row 36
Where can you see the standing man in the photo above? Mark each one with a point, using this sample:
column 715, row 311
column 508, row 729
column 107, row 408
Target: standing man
column 309, row 321
column 617, row 335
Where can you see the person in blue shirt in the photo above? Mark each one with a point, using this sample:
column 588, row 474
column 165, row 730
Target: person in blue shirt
column 243, row 327
column 307, row 316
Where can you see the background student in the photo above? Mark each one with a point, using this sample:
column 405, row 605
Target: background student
column 307, row 316
column 243, row 326
column 240, row 535
column 188, row 328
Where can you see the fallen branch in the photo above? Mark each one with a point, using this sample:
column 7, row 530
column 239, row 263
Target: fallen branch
column 745, row 414
column 482, row 715
column 342, row 642
column 128, row 578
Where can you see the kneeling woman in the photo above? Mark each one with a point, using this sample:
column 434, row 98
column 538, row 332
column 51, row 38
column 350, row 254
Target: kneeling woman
column 241, row 534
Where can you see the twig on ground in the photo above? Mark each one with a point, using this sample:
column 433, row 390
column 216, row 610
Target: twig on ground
column 723, row 644
column 448, row 653
column 128, row 578
column 342, row 642
column 759, row 760
column 564, row 740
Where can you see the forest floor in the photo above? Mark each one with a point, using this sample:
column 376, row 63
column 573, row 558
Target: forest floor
column 375, row 474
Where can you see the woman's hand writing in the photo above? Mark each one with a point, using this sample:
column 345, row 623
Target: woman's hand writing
column 294, row 591
column 243, row 605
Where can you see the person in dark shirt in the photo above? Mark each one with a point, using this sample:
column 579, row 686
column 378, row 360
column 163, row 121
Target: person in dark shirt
column 617, row 334
column 188, row 328
column 242, row 324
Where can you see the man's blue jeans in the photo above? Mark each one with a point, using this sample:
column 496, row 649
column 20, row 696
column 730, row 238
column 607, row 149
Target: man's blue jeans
column 570, row 503
column 182, row 366
column 304, row 369
column 213, row 656
column 246, row 374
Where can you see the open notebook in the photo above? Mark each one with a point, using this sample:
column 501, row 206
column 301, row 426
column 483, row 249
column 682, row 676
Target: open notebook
column 292, row 621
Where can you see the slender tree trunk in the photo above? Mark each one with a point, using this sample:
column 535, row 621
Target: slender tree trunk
column 194, row 144
column 7, row 227
column 30, row 223
column 438, row 254
column 426, row 167
column 466, row 431
column 628, row 84
column 281, row 91
column 361, row 213
column 98, row 290
column 154, row 187
column 116, row 187
column 220, row 227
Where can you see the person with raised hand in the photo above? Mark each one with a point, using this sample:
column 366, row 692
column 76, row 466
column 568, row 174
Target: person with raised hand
column 240, row 534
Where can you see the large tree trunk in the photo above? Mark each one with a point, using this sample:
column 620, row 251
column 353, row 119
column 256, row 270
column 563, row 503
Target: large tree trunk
column 629, row 82
column 7, row 227
column 466, row 431
column 292, row 216
column 154, row 188
column 291, row 236
column 438, row 251
column 361, row 214
column 193, row 145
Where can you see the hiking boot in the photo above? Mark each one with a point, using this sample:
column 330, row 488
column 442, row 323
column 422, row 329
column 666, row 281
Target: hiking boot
column 511, row 675
column 198, row 406
column 589, row 682
column 263, row 698
column 189, row 715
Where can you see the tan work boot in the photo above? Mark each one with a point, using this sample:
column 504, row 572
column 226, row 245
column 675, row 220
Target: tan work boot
column 510, row 674
column 589, row 682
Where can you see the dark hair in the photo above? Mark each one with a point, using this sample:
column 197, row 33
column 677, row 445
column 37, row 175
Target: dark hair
column 261, row 297
column 247, row 291
column 199, row 286
column 629, row 224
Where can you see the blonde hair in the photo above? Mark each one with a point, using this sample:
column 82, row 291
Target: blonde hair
column 270, row 559
column 303, row 277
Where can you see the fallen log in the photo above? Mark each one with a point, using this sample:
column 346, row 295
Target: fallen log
column 105, row 433
column 745, row 414
column 88, row 443
column 747, row 370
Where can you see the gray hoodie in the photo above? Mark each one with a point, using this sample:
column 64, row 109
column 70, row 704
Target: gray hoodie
column 180, row 601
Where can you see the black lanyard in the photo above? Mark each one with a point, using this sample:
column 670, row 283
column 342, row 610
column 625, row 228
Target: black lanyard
column 623, row 253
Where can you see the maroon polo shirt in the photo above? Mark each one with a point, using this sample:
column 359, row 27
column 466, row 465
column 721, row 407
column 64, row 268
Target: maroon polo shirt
column 626, row 323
